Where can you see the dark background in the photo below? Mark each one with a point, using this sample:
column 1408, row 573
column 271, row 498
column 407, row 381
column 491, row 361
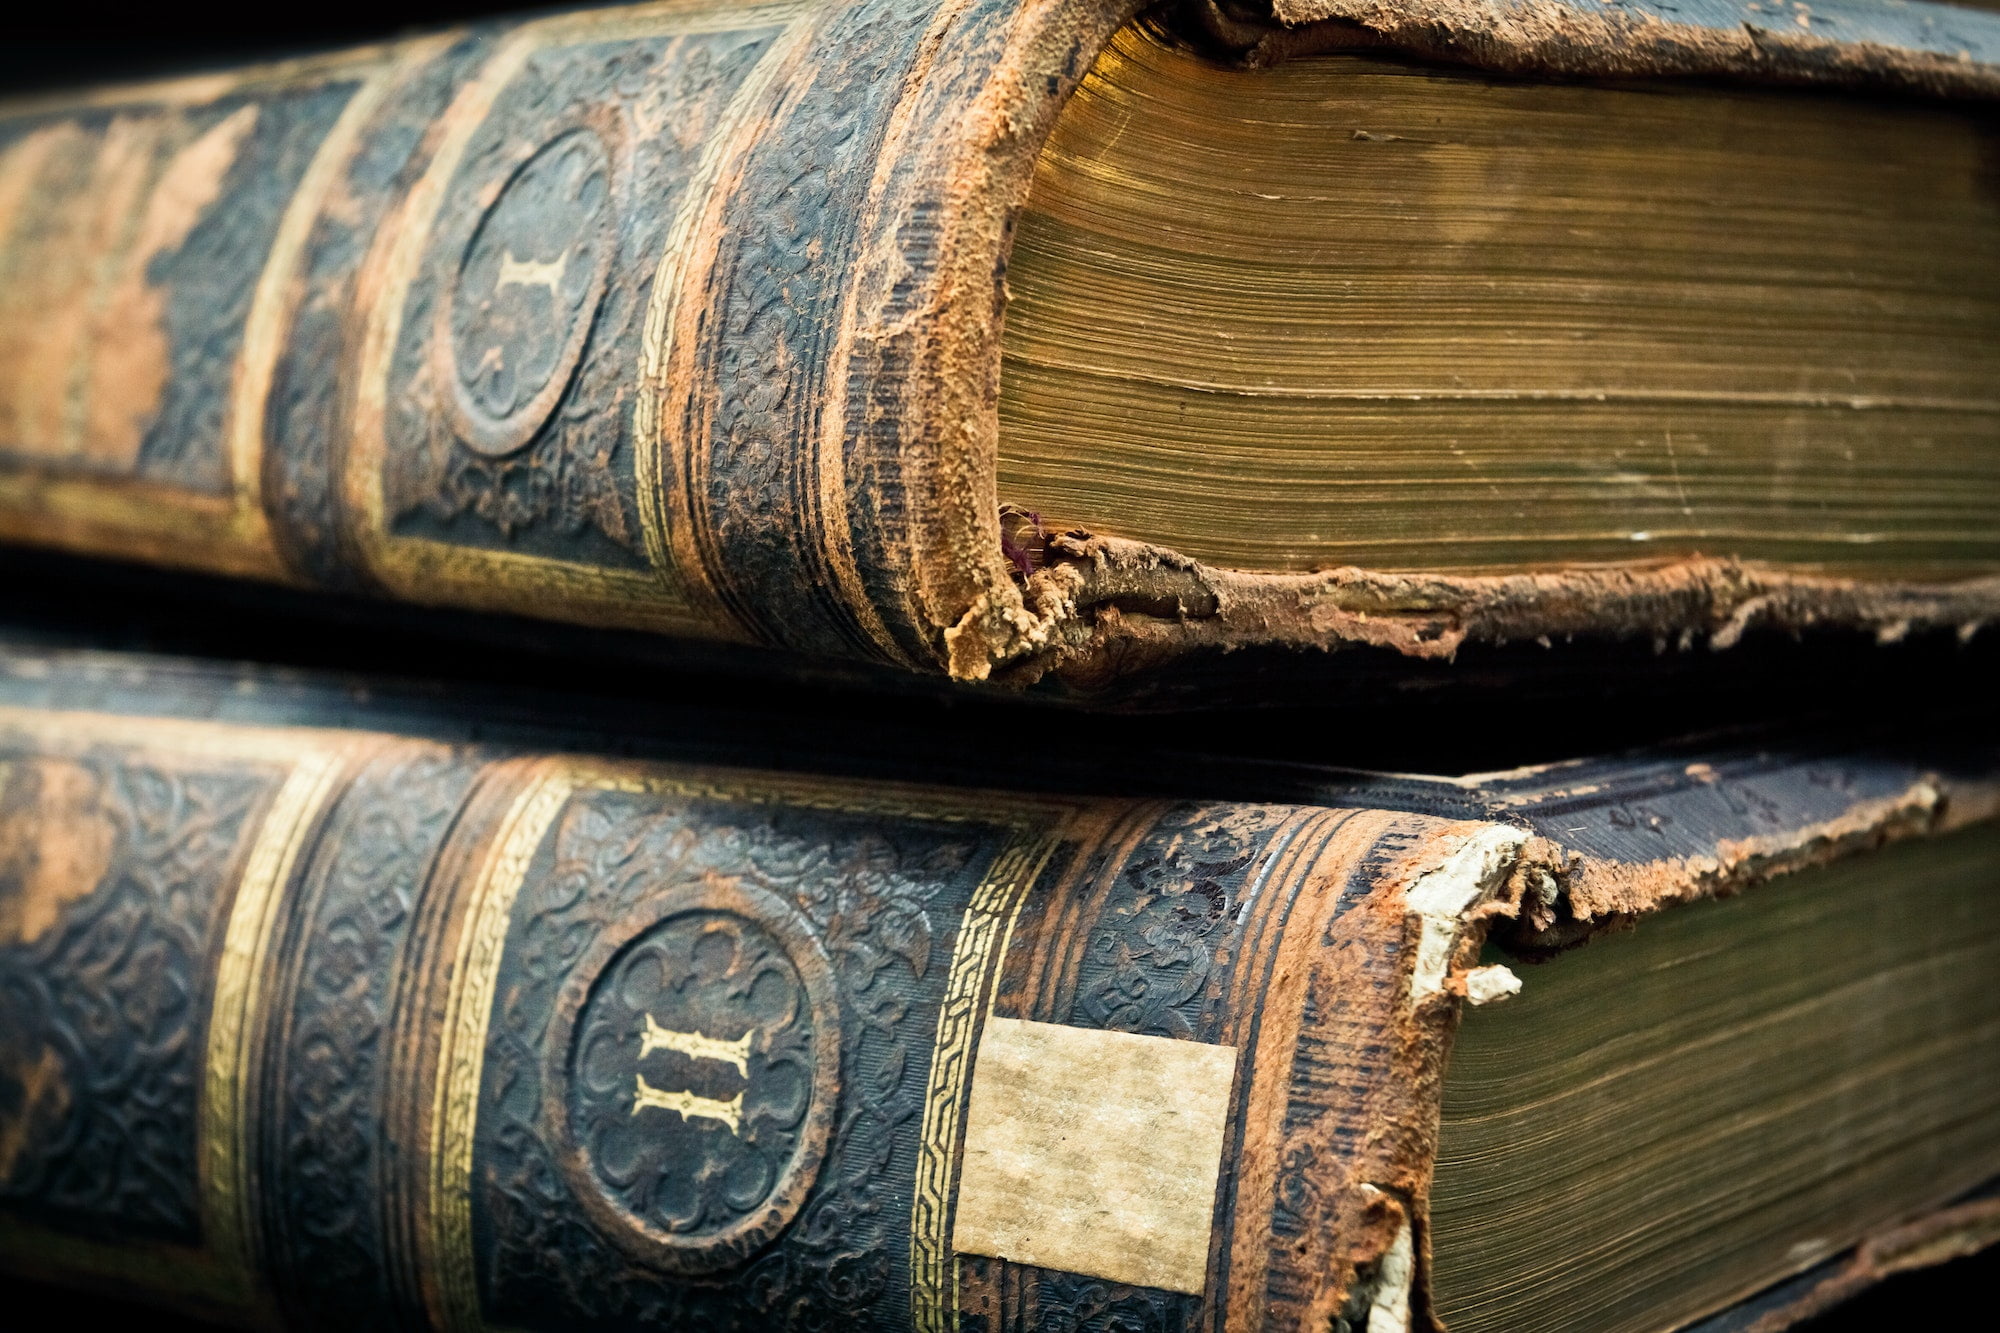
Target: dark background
column 58, row 45
column 1622, row 697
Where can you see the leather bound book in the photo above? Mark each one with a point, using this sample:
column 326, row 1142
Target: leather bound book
column 336, row 1027
column 1016, row 337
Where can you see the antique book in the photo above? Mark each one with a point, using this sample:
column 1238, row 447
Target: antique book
column 1042, row 336
column 337, row 1026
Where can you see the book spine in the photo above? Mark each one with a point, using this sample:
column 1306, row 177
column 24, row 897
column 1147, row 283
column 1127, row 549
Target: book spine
column 686, row 316
column 342, row 1028
column 621, row 316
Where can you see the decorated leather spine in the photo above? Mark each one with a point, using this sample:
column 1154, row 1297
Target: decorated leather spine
column 328, row 1028
column 337, row 1028
column 686, row 317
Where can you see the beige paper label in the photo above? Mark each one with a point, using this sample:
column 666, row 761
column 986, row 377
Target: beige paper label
column 1094, row 1152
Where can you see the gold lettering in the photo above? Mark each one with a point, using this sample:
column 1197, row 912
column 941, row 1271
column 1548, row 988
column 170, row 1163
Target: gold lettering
column 532, row 273
column 688, row 1106
column 696, row 1046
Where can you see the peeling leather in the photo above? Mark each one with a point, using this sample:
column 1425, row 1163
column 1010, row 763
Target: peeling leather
column 1102, row 606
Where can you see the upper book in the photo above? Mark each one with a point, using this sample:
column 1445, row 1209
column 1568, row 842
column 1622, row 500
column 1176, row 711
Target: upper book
column 1011, row 337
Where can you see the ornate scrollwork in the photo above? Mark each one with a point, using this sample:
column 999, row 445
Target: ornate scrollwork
column 1149, row 966
column 512, row 382
column 101, row 1000
column 514, row 316
column 323, row 1148
column 1168, row 920
column 1072, row 1303
column 695, row 1093
column 746, row 899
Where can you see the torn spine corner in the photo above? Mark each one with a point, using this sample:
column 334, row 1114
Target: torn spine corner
column 1491, row 984
column 1381, row 1296
column 1446, row 895
column 1388, row 1299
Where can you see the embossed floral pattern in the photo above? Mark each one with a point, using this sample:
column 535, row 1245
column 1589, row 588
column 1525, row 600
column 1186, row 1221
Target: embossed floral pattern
column 100, row 1013
column 868, row 889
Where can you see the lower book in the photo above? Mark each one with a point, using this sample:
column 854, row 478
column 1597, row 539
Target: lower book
column 321, row 1019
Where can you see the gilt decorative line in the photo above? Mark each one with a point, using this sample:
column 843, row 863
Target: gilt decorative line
column 688, row 1106
column 664, row 495
column 462, row 1062
column 279, row 288
column 696, row 1046
column 233, row 1019
column 983, row 936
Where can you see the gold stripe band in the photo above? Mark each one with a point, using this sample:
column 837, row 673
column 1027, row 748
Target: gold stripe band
column 234, row 1016
column 983, row 936
column 275, row 301
column 462, row 1061
column 659, row 511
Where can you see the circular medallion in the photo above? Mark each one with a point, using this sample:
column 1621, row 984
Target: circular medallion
column 697, row 1084
column 516, row 314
